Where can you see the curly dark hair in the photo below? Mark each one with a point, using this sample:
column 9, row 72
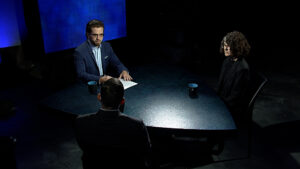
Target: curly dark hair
column 238, row 44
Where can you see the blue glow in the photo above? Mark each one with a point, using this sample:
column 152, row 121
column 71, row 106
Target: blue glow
column 9, row 29
column 63, row 22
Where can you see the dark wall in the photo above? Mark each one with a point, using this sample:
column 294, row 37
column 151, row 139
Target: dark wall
column 33, row 42
column 186, row 32
column 191, row 31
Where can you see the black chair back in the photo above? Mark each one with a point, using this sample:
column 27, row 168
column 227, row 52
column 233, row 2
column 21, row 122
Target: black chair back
column 257, row 82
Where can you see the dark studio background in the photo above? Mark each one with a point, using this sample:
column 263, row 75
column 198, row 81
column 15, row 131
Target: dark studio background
column 185, row 33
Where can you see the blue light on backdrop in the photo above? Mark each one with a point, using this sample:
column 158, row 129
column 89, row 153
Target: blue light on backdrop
column 9, row 29
column 63, row 21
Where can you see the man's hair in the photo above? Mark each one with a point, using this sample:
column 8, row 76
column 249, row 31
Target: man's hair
column 93, row 23
column 238, row 44
column 112, row 92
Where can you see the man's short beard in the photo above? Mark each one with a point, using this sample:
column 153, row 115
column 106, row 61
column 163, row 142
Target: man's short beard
column 96, row 44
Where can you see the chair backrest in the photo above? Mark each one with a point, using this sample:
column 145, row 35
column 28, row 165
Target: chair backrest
column 257, row 82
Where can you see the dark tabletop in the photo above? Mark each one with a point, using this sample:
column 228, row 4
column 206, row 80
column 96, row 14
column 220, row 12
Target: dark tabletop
column 161, row 99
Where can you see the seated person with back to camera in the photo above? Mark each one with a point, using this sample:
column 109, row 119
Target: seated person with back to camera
column 110, row 139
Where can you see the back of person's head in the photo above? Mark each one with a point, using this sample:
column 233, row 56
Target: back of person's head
column 112, row 93
column 93, row 23
column 238, row 44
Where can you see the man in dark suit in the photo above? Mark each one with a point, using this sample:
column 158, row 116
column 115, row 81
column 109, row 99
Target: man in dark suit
column 110, row 139
column 93, row 57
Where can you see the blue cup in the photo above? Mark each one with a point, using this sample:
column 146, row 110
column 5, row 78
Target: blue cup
column 193, row 87
column 93, row 87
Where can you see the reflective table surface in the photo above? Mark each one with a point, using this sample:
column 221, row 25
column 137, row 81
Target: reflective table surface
column 161, row 99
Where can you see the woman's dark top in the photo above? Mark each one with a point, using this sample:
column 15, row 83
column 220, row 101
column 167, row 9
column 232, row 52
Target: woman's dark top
column 233, row 83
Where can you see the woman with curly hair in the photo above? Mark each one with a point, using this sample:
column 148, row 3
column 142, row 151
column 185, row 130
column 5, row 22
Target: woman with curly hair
column 235, row 76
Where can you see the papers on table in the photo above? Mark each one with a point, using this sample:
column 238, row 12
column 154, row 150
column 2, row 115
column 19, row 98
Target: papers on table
column 127, row 84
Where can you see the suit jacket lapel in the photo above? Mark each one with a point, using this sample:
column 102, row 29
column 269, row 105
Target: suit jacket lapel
column 103, row 55
column 91, row 52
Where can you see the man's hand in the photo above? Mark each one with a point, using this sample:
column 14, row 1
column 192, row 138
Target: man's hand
column 104, row 78
column 125, row 75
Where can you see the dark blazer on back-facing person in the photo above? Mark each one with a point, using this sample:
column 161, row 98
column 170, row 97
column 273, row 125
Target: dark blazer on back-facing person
column 86, row 66
column 111, row 139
